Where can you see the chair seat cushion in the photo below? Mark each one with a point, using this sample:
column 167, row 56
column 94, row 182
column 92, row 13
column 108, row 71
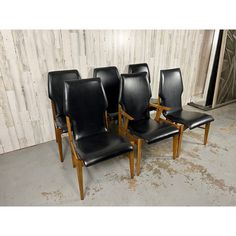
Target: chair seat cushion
column 100, row 147
column 189, row 118
column 61, row 123
column 152, row 131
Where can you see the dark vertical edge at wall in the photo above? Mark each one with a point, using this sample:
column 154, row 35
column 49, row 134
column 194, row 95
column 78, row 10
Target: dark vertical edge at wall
column 211, row 89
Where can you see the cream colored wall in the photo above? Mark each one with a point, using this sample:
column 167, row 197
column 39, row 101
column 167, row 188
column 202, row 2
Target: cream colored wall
column 27, row 56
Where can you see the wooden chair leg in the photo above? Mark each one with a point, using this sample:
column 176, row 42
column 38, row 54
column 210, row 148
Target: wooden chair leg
column 56, row 135
column 73, row 160
column 80, row 178
column 181, row 131
column 139, row 156
column 59, row 143
column 72, row 155
column 131, row 163
column 207, row 127
column 175, row 146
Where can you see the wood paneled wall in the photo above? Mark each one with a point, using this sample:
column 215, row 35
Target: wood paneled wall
column 26, row 56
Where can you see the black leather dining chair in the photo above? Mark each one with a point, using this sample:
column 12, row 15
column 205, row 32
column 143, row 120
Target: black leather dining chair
column 56, row 92
column 136, row 124
column 170, row 92
column 110, row 78
column 142, row 67
column 85, row 108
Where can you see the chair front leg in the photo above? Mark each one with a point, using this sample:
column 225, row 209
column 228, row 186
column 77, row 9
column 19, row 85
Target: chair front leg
column 59, row 143
column 175, row 146
column 138, row 163
column 79, row 168
column 181, row 131
column 207, row 127
column 131, row 162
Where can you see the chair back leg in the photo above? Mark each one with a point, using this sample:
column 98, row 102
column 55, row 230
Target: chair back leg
column 59, row 143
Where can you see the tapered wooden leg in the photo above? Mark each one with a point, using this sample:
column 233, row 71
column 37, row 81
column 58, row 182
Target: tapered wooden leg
column 207, row 127
column 131, row 164
column 175, row 145
column 80, row 178
column 181, row 131
column 139, row 156
column 56, row 134
column 72, row 155
column 73, row 160
column 59, row 143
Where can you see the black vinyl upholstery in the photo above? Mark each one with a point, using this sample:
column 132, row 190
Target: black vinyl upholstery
column 171, row 89
column 170, row 92
column 142, row 67
column 134, row 98
column 135, row 95
column 85, row 104
column 100, row 147
column 152, row 131
column 110, row 78
column 190, row 119
column 56, row 81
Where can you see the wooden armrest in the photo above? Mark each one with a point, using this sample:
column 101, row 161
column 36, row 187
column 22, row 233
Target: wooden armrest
column 126, row 115
column 178, row 126
column 163, row 108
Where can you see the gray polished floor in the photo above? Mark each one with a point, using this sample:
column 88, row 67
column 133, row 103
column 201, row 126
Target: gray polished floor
column 202, row 175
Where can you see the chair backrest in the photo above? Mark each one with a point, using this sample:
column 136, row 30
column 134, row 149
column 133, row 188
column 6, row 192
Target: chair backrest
column 135, row 93
column 56, row 86
column 110, row 78
column 85, row 103
column 171, row 89
column 141, row 67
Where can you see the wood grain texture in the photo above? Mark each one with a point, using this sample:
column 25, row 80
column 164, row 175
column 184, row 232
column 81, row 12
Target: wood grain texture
column 26, row 56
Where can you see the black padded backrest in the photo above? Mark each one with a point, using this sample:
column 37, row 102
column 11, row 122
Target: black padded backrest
column 85, row 103
column 111, row 82
column 135, row 94
column 56, row 86
column 141, row 67
column 171, row 89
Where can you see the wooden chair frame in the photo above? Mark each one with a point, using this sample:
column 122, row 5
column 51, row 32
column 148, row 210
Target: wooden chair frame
column 78, row 163
column 124, row 119
column 206, row 127
column 58, row 132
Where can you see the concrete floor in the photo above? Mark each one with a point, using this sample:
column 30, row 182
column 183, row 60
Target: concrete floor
column 200, row 176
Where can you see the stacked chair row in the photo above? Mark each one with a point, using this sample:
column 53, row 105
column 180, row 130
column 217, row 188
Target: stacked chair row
column 86, row 108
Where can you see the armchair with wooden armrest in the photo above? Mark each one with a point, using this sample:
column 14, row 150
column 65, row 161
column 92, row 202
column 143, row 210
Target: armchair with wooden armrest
column 134, row 117
column 171, row 80
column 91, row 144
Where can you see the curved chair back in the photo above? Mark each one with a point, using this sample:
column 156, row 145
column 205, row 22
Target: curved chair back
column 135, row 94
column 141, row 67
column 56, row 86
column 85, row 103
column 111, row 82
column 171, row 89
